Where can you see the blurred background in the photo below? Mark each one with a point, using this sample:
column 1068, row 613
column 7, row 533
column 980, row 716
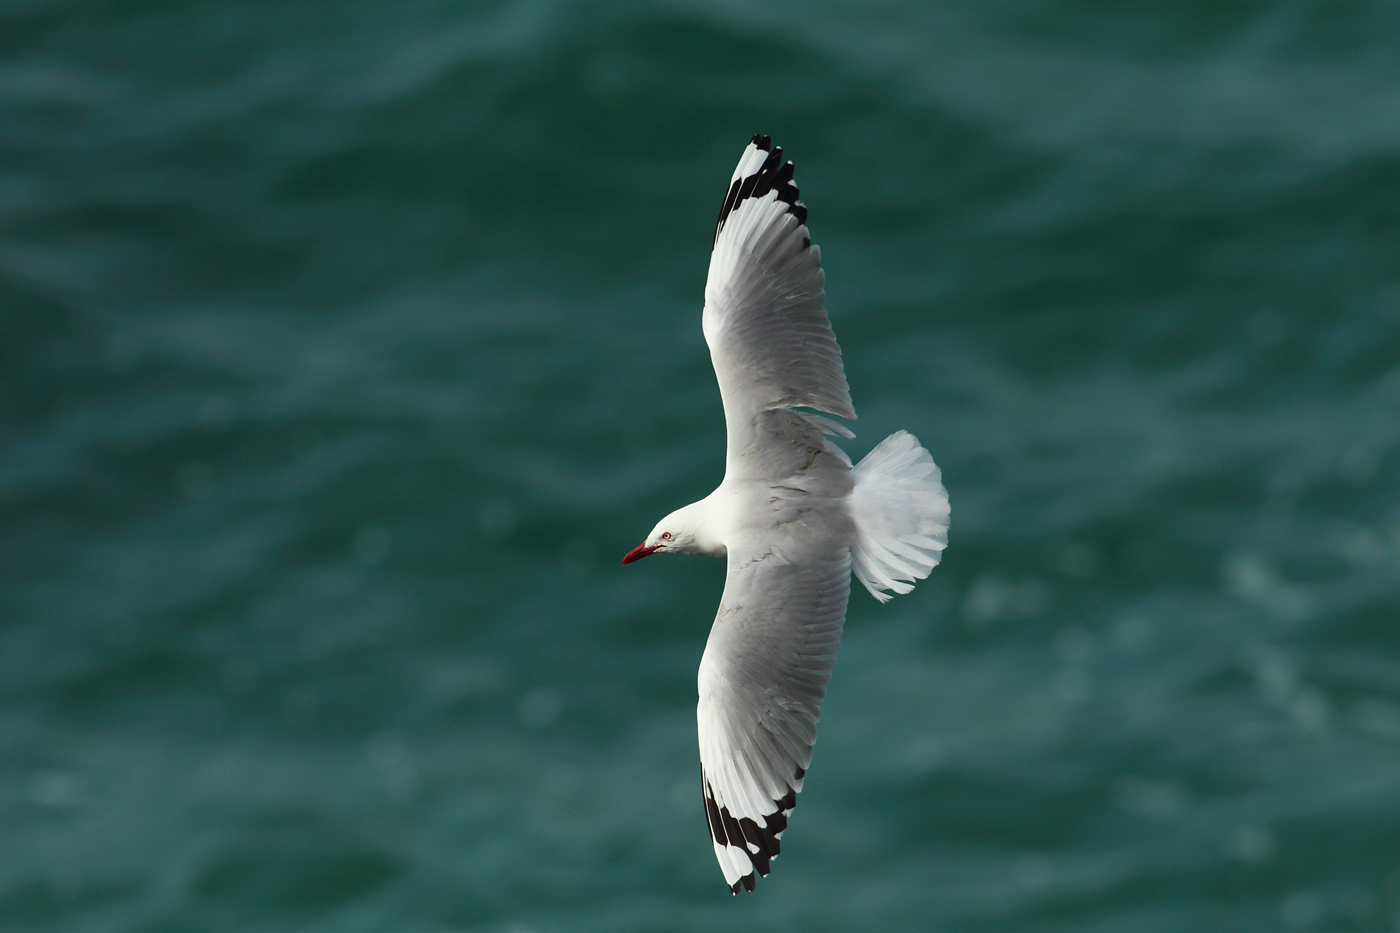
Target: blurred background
column 346, row 347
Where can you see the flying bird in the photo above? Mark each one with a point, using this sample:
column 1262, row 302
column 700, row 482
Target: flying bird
column 793, row 517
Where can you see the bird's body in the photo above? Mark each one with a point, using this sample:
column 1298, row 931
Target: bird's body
column 792, row 517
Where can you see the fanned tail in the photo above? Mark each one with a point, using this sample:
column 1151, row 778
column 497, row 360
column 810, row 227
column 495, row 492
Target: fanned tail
column 900, row 510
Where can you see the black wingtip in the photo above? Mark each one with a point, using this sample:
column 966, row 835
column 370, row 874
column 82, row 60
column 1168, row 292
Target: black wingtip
column 772, row 175
column 760, row 844
column 789, row 800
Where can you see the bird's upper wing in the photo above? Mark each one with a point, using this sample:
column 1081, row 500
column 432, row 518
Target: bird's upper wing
column 762, row 680
column 765, row 319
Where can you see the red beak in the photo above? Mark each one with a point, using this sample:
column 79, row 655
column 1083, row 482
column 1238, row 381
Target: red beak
column 640, row 551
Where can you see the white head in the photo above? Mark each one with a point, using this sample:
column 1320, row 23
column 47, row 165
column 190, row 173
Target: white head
column 681, row 532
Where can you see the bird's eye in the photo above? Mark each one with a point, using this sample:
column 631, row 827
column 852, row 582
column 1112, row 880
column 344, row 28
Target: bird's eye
column 665, row 536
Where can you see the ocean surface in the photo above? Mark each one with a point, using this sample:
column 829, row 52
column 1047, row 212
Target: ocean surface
column 346, row 347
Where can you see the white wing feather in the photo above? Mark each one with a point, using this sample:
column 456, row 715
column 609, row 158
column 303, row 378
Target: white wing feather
column 762, row 680
column 765, row 311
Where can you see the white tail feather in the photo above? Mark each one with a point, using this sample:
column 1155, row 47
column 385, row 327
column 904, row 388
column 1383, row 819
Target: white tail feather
column 901, row 514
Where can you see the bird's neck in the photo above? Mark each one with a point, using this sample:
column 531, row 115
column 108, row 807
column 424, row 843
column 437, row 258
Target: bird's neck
column 705, row 521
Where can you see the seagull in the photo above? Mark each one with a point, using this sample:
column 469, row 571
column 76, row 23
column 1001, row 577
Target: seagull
column 793, row 517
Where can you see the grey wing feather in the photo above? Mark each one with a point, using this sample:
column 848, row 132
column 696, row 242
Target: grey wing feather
column 762, row 681
column 765, row 305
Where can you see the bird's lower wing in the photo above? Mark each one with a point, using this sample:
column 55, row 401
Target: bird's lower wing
column 762, row 680
column 765, row 307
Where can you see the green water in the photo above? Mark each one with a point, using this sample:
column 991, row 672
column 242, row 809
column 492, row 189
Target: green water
column 346, row 347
